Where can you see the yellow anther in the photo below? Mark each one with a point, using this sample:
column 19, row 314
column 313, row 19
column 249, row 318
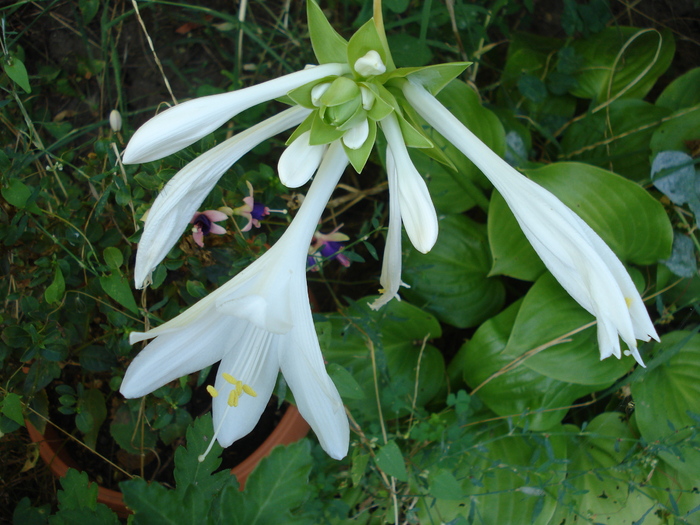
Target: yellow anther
column 249, row 390
column 212, row 391
column 232, row 399
column 628, row 300
column 239, row 387
column 229, row 378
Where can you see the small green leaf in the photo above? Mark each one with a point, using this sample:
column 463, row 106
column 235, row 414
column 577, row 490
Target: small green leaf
column 390, row 460
column 88, row 8
column 117, row 287
column 17, row 193
column 15, row 69
column 347, row 387
column 682, row 92
column 54, row 292
column 328, row 45
column 113, row 257
column 12, row 408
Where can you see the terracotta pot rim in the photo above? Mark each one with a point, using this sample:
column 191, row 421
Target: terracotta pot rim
column 291, row 428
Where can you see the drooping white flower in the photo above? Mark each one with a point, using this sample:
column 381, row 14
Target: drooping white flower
column 185, row 192
column 182, row 125
column 417, row 210
column 299, row 161
column 577, row 257
column 257, row 324
column 390, row 278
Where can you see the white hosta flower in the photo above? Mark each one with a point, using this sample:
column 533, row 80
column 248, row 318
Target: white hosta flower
column 390, row 278
column 299, row 161
column 579, row 259
column 257, row 324
column 370, row 65
column 181, row 125
column 356, row 136
column 417, row 210
column 184, row 193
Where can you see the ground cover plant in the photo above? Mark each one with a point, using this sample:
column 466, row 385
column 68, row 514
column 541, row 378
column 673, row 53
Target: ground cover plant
column 481, row 396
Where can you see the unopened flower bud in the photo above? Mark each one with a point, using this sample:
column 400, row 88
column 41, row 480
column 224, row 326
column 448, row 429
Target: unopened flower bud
column 317, row 92
column 115, row 120
column 370, row 65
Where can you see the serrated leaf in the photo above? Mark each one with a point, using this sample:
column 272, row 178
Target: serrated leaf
column 397, row 332
column 12, row 408
column 606, row 201
column 77, row 492
column 117, row 287
column 190, row 471
column 328, row 45
column 451, row 280
column 277, row 486
column 390, row 460
column 15, row 69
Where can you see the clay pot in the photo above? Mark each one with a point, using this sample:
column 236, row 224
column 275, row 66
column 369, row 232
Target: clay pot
column 290, row 429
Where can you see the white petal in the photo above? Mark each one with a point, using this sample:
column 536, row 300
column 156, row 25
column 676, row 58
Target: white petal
column 182, row 196
column 417, row 210
column 254, row 294
column 299, row 161
column 391, row 262
column 254, row 362
column 315, row 394
column 177, row 354
column 317, row 92
column 370, row 65
column 356, row 136
column 181, row 125
column 582, row 263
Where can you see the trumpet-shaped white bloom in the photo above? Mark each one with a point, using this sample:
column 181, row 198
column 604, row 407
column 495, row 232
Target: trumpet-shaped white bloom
column 417, row 210
column 181, row 125
column 184, row 193
column 257, row 324
column 390, row 278
column 579, row 259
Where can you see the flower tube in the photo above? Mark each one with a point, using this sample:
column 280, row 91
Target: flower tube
column 577, row 257
column 257, row 324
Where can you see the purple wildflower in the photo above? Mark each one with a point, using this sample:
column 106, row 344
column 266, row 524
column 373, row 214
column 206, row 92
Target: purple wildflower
column 204, row 223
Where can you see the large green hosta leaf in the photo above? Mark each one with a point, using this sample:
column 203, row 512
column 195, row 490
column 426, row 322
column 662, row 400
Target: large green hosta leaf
column 520, row 390
column 667, row 401
column 599, row 488
column 547, row 314
column 628, row 219
column 395, row 333
column 622, row 62
column 451, row 280
column 615, row 138
column 507, row 479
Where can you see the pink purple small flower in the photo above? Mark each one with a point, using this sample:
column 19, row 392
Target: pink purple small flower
column 204, row 223
column 328, row 246
column 251, row 210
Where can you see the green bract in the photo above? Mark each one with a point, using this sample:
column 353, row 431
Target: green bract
column 366, row 96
